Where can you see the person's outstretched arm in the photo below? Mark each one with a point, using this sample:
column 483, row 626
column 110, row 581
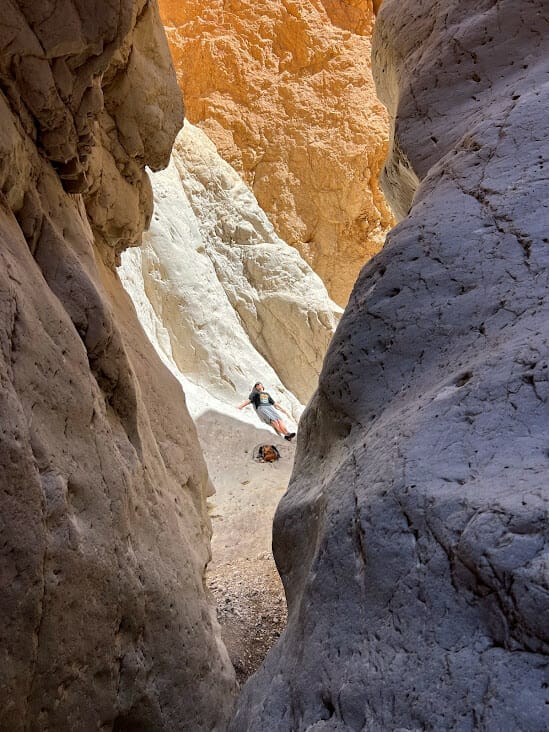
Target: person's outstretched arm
column 244, row 404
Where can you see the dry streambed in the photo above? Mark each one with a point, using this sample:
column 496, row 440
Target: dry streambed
column 242, row 576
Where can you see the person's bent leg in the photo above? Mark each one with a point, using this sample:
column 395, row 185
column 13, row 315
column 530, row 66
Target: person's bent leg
column 279, row 427
column 284, row 431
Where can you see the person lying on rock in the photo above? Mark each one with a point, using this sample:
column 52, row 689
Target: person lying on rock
column 265, row 407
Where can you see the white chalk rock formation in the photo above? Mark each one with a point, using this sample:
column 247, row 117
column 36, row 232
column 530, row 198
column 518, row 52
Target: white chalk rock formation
column 232, row 303
column 413, row 541
column 105, row 535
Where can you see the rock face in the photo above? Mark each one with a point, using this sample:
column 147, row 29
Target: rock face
column 104, row 531
column 285, row 91
column 413, row 539
column 236, row 303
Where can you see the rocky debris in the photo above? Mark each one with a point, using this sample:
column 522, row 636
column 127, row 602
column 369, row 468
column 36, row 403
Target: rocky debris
column 413, row 540
column 105, row 621
column 251, row 610
column 285, row 91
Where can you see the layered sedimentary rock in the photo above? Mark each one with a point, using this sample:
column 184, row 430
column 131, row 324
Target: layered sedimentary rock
column 236, row 303
column 103, row 523
column 413, row 539
column 285, row 91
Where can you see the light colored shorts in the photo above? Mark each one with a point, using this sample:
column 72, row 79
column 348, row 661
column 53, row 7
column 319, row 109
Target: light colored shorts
column 267, row 414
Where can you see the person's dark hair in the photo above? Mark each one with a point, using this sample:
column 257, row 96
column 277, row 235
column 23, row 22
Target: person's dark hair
column 257, row 384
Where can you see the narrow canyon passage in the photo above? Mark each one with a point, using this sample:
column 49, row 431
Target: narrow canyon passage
column 242, row 576
column 145, row 284
column 225, row 301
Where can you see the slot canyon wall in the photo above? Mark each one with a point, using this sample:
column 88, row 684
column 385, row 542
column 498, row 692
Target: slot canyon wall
column 413, row 540
column 285, row 91
column 105, row 535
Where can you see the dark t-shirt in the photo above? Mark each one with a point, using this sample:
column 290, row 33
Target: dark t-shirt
column 260, row 398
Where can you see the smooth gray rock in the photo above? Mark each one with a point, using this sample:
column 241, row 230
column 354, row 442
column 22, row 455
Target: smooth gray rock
column 413, row 539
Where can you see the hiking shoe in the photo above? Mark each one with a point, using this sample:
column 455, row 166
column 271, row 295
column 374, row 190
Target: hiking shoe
column 290, row 436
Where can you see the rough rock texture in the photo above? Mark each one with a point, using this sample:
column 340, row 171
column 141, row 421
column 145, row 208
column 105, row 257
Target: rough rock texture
column 413, row 541
column 236, row 302
column 285, row 91
column 104, row 620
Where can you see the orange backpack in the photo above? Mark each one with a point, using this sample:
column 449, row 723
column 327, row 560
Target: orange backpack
column 268, row 453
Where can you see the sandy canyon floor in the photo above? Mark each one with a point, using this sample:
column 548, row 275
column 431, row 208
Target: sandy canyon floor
column 242, row 575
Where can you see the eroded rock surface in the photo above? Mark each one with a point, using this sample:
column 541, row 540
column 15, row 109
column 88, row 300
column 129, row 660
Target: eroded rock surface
column 237, row 303
column 413, row 541
column 104, row 530
column 285, row 91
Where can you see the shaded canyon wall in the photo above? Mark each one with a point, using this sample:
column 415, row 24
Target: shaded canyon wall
column 285, row 91
column 105, row 622
column 413, row 540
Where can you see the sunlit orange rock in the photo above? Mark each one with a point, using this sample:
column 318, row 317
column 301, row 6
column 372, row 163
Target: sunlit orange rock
column 284, row 89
